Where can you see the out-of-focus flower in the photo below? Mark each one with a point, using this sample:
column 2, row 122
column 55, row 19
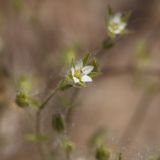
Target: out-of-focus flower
column 24, row 96
column 116, row 24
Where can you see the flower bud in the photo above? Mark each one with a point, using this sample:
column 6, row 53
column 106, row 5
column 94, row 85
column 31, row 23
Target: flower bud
column 22, row 100
column 58, row 123
column 68, row 146
column 102, row 153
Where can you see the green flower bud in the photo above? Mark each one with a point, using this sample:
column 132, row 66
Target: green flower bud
column 102, row 153
column 68, row 146
column 22, row 100
column 58, row 123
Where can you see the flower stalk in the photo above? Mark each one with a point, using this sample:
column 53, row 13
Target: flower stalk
column 38, row 121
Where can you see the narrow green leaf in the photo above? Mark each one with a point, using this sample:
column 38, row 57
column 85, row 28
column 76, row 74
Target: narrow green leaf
column 36, row 138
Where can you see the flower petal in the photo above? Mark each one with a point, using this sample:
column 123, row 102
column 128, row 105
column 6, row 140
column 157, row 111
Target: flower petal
column 79, row 65
column 86, row 78
column 122, row 26
column 117, row 31
column 117, row 18
column 76, row 80
column 72, row 71
column 87, row 69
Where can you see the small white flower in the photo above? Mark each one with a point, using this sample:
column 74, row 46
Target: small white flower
column 81, row 73
column 116, row 25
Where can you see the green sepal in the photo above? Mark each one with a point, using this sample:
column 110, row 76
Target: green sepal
column 94, row 63
column 64, row 84
column 94, row 74
column 82, row 84
column 126, row 17
column 86, row 59
column 72, row 63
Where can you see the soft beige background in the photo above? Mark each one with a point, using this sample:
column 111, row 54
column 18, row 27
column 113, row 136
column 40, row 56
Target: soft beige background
column 32, row 40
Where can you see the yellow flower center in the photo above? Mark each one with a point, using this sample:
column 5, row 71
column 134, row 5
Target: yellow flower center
column 78, row 74
column 114, row 26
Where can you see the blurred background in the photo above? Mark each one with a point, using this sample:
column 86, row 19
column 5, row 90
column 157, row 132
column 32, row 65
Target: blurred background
column 35, row 36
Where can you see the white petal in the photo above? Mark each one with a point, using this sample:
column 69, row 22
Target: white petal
column 122, row 26
column 76, row 80
column 72, row 71
column 110, row 29
column 86, row 78
column 79, row 65
column 87, row 69
column 117, row 31
column 117, row 18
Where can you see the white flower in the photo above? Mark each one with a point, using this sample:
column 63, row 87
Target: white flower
column 116, row 25
column 81, row 73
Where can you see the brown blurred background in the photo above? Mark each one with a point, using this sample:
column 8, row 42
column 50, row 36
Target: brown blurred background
column 33, row 34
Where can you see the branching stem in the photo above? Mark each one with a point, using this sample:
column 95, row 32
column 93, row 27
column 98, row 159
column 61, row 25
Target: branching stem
column 38, row 121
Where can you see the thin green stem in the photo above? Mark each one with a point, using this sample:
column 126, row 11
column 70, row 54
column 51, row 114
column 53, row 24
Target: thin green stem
column 38, row 121
column 68, row 156
column 44, row 103
column 37, row 131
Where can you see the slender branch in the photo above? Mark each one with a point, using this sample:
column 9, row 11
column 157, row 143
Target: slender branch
column 38, row 121
column 71, row 109
column 44, row 103
column 68, row 156
column 37, row 131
